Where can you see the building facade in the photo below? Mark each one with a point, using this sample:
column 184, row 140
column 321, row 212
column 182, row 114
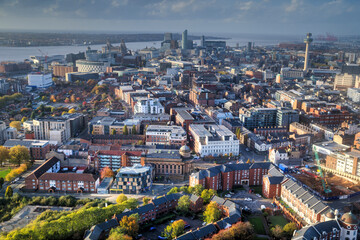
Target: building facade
column 166, row 135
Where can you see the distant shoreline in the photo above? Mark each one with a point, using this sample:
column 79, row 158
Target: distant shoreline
column 28, row 39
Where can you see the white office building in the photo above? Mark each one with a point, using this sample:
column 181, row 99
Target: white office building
column 40, row 80
column 149, row 106
column 90, row 66
column 214, row 140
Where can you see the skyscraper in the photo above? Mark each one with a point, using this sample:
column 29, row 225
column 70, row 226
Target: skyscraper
column 307, row 41
column 203, row 41
column 167, row 36
column 184, row 40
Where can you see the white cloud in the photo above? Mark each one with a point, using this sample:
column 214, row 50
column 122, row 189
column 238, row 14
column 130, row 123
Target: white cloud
column 118, row 3
column 246, row 6
column 294, row 6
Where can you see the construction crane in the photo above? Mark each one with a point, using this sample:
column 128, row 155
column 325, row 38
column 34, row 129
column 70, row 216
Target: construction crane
column 325, row 185
column 45, row 60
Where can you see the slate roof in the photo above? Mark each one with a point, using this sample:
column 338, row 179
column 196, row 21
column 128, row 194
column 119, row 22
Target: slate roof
column 275, row 179
column 96, row 231
column 159, row 201
column 194, row 198
column 205, row 231
column 311, row 231
column 218, row 200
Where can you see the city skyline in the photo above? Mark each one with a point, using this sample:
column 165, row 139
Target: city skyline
column 263, row 16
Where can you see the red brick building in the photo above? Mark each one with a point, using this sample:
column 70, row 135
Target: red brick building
column 196, row 203
column 201, row 96
column 50, row 177
column 225, row 177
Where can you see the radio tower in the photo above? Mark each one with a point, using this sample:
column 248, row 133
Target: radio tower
column 307, row 41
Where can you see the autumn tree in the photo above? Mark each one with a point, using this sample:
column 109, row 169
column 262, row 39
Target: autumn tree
column 24, row 119
column 130, row 225
column 9, row 192
column 106, row 172
column 212, row 213
column 16, row 124
column 72, row 110
column 73, row 98
column 121, row 198
column 125, row 130
column 198, row 189
column 183, row 204
column 117, row 234
column 240, row 230
column 133, row 130
column 67, row 100
column 173, row 190
column 4, row 154
column 289, row 229
column 207, row 194
column 277, row 232
column 146, row 200
column 174, row 229
column 19, row 154
column 113, row 131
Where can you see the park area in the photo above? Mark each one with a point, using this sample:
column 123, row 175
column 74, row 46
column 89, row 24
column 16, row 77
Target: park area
column 258, row 224
column 4, row 172
column 278, row 220
column 338, row 185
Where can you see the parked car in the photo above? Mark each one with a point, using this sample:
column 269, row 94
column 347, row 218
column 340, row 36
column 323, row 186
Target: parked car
column 231, row 192
column 187, row 226
column 248, row 199
column 204, row 223
column 152, row 229
column 163, row 238
column 258, row 195
column 228, row 195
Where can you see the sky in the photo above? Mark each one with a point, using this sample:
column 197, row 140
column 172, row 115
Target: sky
column 339, row 17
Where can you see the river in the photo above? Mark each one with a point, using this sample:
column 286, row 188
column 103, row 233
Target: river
column 21, row 53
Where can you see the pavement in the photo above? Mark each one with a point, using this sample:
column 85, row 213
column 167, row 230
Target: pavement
column 255, row 203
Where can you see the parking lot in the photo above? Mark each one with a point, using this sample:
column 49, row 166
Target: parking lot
column 194, row 223
column 250, row 200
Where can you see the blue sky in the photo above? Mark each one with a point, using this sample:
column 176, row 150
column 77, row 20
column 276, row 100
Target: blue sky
column 210, row 16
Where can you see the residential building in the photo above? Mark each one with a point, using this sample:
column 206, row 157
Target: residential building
column 345, row 81
column 112, row 126
column 346, row 164
column 258, row 117
column 214, row 140
column 133, row 180
column 62, row 70
column 271, row 184
column 37, row 148
column 202, row 96
column 166, row 135
column 148, row 106
column 51, row 177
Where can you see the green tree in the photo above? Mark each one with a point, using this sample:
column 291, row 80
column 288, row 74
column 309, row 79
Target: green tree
column 183, row 204
column 33, row 115
column 4, row 154
column 131, row 203
column 133, row 130
column 16, row 124
column 117, row 234
column 289, row 229
column 277, row 232
column 121, row 198
column 198, row 189
column 185, row 189
column 212, row 213
column 24, row 119
column 9, row 192
column 173, row 190
column 113, row 131
column 174, row 229
column 125, row 130
column 19, row 154
column 207, row 194
column 146, row 200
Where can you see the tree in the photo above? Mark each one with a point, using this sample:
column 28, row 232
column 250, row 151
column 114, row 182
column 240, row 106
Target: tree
column 207, row 194
column 277, row 231
column 117, row 234
column 212, row 212
column 240, row 230
column 106, row 172
column 183, row 204
column 125, row 130
column 16, row 124
column 32, row 116
column 4, row 154
column 174, row 229
column 67, row 100
column 19, row 154
column 72, row 110
column 24, row 119
column 73, row 98
column 146, row 200
column 248, row 161
column 121, row 198
column 198, row 189
column 9, row 192
column 131, row 203
column 130, row 225
column 1, row 182
column 185, row 189
column 133, row 130
column 290, row 228
column 173, row 190
column 113, row 131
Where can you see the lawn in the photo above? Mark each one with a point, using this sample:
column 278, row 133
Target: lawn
column 4, row 172
column 258, row 225
column 278, row 220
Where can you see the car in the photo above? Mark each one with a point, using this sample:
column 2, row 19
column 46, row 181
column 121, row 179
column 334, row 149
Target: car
column 152, row 229
column 228, row 195
column 204, row 223
column 262, row 207
column 231, row 192
column 163, row 238
column 172, row 221
column 248, row 199
column 247, row 149
column 187, row 226
column 258, row 195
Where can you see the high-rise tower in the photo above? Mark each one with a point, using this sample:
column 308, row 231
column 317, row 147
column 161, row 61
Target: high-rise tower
column 184, row 40
column 307, row 41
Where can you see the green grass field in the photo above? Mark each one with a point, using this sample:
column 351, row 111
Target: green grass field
column 278, row 220
column 4, row 172
column 258, row 225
